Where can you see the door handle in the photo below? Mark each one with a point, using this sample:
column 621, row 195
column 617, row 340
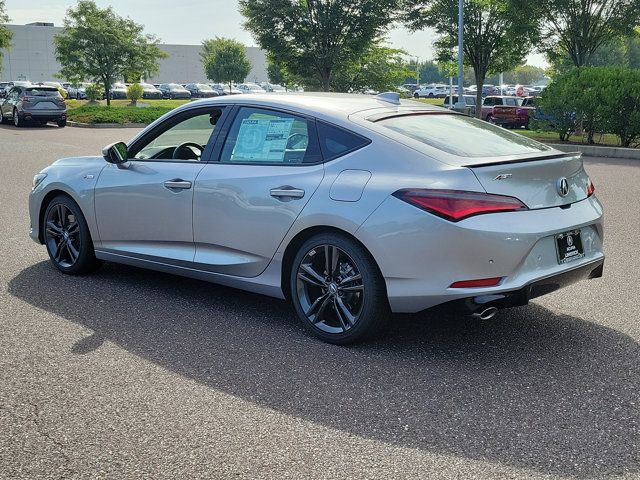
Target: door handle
column 286, row 192
column 177, row 183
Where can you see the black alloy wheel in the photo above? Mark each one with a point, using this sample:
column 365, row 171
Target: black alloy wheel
column 67, row 237
column 337, row 289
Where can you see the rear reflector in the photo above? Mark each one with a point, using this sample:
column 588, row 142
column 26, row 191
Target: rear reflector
column 455, row 205
column 482, row 282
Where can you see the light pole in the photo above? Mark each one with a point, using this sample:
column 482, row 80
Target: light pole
column 461, row 103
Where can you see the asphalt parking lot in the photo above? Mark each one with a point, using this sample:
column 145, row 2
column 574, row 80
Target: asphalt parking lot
column 134, row 374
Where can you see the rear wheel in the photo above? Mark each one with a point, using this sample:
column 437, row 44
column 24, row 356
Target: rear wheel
column 2, row 119
column 16, row 119
column 67, row 237
column 337, row 290
column 62, row 122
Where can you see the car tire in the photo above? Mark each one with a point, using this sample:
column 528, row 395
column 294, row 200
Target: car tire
column 67, row 237
column 62, row 123
column 489, row 118
column 431, row 95
column 344, row 306
column 415, row 95
column 2, row 119
column 16, row 119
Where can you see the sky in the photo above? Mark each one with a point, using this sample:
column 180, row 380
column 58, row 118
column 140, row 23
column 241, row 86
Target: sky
column 201, row 19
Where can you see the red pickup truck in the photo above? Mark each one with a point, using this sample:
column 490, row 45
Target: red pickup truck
column 506, row 111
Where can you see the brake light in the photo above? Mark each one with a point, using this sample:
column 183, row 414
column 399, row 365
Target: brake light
column 455, row 205
column 590, row 188
column 482, row 282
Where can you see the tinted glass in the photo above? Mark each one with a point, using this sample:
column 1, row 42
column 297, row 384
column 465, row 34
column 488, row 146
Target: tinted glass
column 270, row 137
column 462, row 135
column 335, row 141
column 42, row 92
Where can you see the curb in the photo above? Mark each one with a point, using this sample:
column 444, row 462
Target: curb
column 596, row 151
column 105, row 125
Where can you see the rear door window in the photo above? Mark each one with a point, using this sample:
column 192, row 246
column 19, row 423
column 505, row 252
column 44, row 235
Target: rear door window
column 271, row 137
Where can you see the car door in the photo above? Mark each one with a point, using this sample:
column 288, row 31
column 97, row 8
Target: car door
column 144, row 208
column 12, row 99
column 269, row 166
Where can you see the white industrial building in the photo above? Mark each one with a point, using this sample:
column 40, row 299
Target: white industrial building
column 32, row 57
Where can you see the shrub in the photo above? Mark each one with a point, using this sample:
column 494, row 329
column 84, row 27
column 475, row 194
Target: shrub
column 134, row 93
column 120, row 115
column 596, row 100
column 94, row 92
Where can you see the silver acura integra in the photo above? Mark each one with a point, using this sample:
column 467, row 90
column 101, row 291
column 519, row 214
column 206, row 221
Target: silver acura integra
column 349, row 206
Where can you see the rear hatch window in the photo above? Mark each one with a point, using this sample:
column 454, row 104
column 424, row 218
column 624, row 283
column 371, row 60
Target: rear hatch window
column 43, row 92
column 462, row 135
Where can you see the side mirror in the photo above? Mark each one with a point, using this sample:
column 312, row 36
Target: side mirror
column 115, row 153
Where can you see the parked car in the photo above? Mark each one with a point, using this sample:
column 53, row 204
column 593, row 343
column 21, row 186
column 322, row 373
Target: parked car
column 488, row 104
column 506, row 111
column 150, row 92
column 350, row 206
column 16, row 83
column 3, row 85
column 431, row 91
column 173, row 91
column 118, row 91
column 469, row 100
column 37, row 103
column 487, row 90
column 225, row 89
column 273, row 87
column 412, row 87
column 250, row 88
column 201, row 90
column 78, row 91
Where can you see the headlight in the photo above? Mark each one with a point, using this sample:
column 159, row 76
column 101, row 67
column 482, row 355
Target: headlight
column 37, row 180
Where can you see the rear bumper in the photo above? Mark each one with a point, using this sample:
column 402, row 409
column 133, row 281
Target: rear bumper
column 43, row 115
column 532, row 290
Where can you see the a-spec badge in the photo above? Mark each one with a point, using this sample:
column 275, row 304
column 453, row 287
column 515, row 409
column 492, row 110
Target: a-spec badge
column 504, row 176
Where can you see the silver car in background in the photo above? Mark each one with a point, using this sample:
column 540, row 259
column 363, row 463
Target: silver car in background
column 350, row 206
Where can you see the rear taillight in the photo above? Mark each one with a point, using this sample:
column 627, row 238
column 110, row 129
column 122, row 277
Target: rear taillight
column 455, row 205
column 590, row 188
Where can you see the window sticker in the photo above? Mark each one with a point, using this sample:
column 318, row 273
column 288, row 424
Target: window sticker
column 262, row 140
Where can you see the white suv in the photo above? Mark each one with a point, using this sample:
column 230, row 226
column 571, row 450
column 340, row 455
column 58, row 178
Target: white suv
column 431, row 91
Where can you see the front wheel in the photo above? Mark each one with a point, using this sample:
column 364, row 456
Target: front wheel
column 337, row 290
column 67, row 237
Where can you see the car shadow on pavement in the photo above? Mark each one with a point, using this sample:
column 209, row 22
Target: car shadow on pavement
column 529, row 388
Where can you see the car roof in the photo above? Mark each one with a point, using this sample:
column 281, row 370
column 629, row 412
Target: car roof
column 318, row 104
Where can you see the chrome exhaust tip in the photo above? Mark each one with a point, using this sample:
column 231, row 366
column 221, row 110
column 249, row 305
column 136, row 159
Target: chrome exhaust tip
column 486, row 314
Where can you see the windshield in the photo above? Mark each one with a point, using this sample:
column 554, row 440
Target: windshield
column 175, row 86
column 202, row 86
column 462, row 135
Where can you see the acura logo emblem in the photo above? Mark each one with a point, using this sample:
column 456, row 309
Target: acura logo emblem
column 563, row 187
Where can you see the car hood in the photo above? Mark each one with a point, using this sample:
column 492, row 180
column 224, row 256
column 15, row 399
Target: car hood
column 97, row 161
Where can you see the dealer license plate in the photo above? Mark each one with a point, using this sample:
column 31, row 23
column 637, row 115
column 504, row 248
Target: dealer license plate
column 569, row 246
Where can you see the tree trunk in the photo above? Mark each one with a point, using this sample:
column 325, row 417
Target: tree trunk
column 107, row 91
column 479, row 85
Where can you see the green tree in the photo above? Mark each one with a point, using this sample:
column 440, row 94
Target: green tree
column 379, row 68
column 524, row 75
column 99, row 45
column 313, row 39
column 498, row 34
column 135, row 93
column 227, row 60
column 578, row 28
column 5, row 33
